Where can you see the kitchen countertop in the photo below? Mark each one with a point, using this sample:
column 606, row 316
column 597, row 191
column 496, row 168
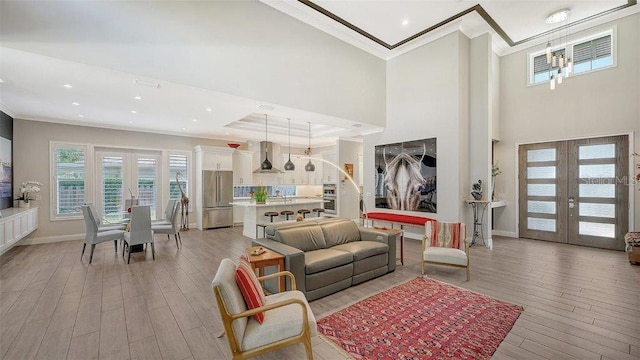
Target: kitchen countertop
column 277, row 202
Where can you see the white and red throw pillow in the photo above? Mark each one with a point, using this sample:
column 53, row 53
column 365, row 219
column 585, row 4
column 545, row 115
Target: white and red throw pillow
column 250, row 287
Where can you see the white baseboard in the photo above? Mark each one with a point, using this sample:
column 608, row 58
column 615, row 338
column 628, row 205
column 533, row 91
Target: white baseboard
column 49, row 239
column 511, row 234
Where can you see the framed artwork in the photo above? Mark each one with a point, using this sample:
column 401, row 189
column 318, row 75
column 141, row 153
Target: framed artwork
column 405, row 176
column 348, row 168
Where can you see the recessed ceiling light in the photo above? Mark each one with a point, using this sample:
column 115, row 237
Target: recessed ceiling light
column 134, row 112
column 130, row 121
column 405, row 22
column 1, row 81
column 68, row 86
column 146, row 83
column 228, row 133
column 138, row 97
column 184, row 128
column 265, row 107
column 209, row 109
column 195, row 120
column 80, row 115
column 558, row 16
column 75, row 103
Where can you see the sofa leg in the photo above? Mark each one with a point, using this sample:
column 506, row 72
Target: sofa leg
column 467, row 272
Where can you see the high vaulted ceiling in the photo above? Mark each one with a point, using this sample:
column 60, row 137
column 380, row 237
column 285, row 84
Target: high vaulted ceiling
column 107, row 51
column 390, row 28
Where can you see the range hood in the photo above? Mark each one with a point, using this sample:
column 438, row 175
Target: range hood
column 266, row 150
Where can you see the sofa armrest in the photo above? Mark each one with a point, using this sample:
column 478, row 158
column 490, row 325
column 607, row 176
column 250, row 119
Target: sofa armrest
column 293, row 261
column 386, row 237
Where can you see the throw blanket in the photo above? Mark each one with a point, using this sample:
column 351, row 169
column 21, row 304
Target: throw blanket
column 444, row 234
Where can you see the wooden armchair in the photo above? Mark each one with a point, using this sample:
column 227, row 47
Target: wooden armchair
column 445, row 244
column 288, row 318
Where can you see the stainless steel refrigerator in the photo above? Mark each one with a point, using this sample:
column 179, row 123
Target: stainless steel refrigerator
column 217, row 193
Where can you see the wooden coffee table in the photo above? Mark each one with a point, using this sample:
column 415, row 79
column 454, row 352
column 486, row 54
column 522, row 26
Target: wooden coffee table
column 268, row 258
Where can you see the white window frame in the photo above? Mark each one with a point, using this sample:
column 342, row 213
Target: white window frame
column 88, row 178
column 569, row 54
column 166, row 174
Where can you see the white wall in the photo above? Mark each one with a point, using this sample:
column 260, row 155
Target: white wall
column 428, row 96
column 242, row 48
column 600, row 103
column 480, row 126
column 31, row 161
column 348, row 198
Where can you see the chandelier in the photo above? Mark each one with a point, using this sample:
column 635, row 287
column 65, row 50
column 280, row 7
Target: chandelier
column 561, row 65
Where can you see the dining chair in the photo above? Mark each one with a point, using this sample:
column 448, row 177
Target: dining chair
column 169, row 228
column 93, row 236
column 168, row 213
column 141, row 232
column 102, row 226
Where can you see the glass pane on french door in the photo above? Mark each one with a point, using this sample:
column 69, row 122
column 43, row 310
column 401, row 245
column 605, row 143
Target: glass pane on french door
column 111, row 187
column 123, row 175
column 147, row 178
column 575, row 191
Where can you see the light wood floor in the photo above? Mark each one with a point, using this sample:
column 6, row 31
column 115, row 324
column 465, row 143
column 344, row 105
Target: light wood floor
column 579, row 302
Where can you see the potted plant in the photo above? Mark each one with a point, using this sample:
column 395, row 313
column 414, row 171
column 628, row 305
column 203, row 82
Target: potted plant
column 26, row 190
column 260, row 195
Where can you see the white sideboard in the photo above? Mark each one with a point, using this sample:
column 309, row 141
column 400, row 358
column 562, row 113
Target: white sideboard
column 15, row 224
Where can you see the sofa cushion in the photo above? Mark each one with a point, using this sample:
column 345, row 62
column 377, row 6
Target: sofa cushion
column 445, row 255
column 324, row 259
column 363, row 249
column 340, row 232
column 305, row 238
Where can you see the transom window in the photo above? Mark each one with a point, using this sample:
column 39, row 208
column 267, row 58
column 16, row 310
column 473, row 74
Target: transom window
column 587, row 54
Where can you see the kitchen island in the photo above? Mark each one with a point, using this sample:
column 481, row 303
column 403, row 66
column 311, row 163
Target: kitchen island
column 254, row 213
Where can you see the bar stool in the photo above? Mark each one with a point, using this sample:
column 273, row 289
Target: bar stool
column 318, row 211
column 271, row 214
column 286, row 213
column 304, row 212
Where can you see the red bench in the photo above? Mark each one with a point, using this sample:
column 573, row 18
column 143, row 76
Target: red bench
column 399, row 219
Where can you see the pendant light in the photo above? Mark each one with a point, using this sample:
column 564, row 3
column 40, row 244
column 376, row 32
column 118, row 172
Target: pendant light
column 266, row 164
column 289, row 165
column 309, row 167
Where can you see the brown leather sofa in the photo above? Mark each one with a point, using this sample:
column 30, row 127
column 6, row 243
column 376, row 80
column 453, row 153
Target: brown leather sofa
column 330, row 254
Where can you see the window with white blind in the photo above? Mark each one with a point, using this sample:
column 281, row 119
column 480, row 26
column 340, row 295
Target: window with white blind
column 69, row 173
column 596, row 52
column 593, row 54
column 178, row 165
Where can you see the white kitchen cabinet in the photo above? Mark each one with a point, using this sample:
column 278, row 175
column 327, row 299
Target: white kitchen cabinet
column 330, row 173
column 214, row 158
column 242, row 167
column 15, row 224
column 238, row 215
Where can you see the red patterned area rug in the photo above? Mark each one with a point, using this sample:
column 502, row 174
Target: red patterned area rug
column 422, row 319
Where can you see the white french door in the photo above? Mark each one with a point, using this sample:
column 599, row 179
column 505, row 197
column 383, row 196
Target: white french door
column 575, row 191
column 122, row 175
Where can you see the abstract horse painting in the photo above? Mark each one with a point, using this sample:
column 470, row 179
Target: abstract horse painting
column 408, row 177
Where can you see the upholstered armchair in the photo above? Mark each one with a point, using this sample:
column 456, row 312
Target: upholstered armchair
column 287, row 316
column 445, row 244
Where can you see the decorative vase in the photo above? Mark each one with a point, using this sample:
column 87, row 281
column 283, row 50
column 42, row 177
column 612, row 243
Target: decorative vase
column 24, row 204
